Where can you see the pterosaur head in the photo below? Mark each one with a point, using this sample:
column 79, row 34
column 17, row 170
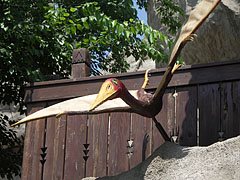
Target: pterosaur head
column 110, row 89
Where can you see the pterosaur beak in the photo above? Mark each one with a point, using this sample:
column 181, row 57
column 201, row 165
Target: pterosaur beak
column 107, row 92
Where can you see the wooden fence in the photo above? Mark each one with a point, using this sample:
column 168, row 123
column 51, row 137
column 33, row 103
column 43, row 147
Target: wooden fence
column 200, row 107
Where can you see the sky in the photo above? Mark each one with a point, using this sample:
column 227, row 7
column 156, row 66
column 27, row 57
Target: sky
column 142, row 14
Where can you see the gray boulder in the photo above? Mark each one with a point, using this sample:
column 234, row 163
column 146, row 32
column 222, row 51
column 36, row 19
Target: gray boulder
column 218, row 39
column 220, row 161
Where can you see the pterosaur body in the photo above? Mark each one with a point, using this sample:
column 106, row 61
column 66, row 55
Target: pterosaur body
column 114, row 96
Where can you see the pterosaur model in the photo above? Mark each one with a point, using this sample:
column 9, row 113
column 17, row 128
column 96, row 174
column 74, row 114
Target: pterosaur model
column 114, row 96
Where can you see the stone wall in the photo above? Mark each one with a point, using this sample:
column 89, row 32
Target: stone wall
column 218, row 39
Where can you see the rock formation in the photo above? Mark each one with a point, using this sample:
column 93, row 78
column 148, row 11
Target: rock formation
column 219, row 161
column 218, row 39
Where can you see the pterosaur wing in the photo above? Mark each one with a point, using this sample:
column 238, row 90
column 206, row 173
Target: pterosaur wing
column 79, row 105
column 195, row 20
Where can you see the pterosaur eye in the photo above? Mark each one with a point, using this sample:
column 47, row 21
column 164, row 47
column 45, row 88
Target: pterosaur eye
column 109, row 86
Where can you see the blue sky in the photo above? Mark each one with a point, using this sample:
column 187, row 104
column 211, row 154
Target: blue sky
column 142, row 14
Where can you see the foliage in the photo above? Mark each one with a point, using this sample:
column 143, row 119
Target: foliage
column 10, row 150
column 29, row 49
column 100, row 34
column 170, row 14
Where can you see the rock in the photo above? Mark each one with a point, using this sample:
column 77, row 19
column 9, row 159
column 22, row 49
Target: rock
column 219, row 161
column 140, row 65
column 218, row 39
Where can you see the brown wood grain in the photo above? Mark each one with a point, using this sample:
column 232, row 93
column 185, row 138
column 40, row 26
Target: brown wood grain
column 76, row 136
column 230, row 103
column 119, row 134
column 226, row 124
column 236, row 107
column 34, row 134
column 186, row 115
column 209, row 113
column 165, row 117
column 142, row 139
column 190, row 75
column 55, row 143
column 98, row 140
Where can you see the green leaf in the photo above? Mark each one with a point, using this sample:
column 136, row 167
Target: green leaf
column 79, row 27
column 62, row 18
column 66, row 14
column 85, row 24
column 133, row 29
column 114, row 22
column 72, row 9
column 84, row 19
column 84, row 10
column 73, row 29
column 127, row 33
column 67, row 30
column 92, row 18
column 120, row 28
column 71, row 21
column 151, row 37
column 125, row 23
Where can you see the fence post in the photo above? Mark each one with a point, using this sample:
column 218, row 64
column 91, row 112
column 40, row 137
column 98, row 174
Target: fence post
column 80, row 63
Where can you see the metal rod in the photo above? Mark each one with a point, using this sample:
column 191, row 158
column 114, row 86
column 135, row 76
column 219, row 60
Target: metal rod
column 161, row 130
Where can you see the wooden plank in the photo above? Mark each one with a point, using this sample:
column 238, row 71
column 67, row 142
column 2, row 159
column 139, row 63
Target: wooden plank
column 65, row 89
column 230, row 103
column 119, row 134
column 226, row 124
column 186, row 115
column 206, row 74
column 142, row 139
column 75, row 139
column 34, row 139
column 98, row 140
column 209, row 113
column 165, row 117
column 236, row 107
column 55, row 143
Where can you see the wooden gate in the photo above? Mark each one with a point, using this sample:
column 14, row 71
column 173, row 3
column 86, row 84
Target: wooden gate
column 201, row 106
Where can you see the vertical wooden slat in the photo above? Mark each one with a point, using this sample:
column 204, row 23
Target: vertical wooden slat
column 75, row 140
column 226, row 126
column 34, row 135
column 55, row 143
column 142, row 139
column 186, row 115
column 209, row 113
column 236, row 107
column 98, row 140
column 165, row 117
column 119, row 134
column 230, row 113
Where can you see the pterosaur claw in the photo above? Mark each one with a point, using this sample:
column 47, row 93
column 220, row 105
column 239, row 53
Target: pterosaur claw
column 190, row 37
column 176, row 66
column 60, row 114
column 146, row 80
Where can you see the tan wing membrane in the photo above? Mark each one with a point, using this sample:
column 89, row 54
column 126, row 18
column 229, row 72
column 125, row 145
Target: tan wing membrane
column 80, row 105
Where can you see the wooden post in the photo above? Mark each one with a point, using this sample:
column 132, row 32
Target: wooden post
column 80, row 63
